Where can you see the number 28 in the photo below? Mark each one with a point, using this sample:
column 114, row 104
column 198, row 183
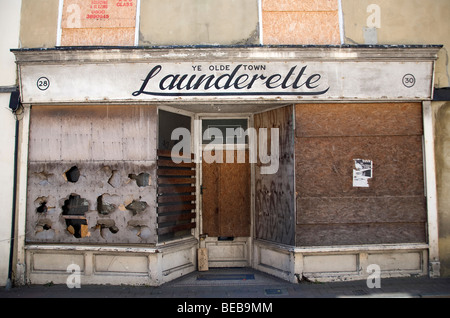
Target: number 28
column 43, row 83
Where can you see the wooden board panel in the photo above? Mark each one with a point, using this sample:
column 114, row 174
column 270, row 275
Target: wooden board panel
column 324, row 165
column 360, row 209
column 275, row 193
column 176, row 197
column 169, row 154
column 314, row 120
column 93, row 22
column 107, row 144
column 176, row 228
column 234, row 198
column 162, row 180
column 210, row 198
column 47, row 184
column 330, row 210
column 175, row 190
column 226, row 198
column 92, row 133
column 355, row 234
column 174, row 218
column 169, row 163
column 176, row 208
column 98, row 36
column 177, row 172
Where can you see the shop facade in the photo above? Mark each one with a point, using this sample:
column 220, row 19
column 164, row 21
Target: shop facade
column 299, row 161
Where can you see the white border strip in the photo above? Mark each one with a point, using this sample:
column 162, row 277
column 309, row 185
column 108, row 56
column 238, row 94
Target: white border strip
column 341, row 22
column 138, row 22
column 22, row 197
column 59, row 30
column 261, row 38
column 431, row 193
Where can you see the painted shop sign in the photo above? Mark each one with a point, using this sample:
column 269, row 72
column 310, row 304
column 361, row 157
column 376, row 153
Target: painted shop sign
column 240, row 80
column 227, row 81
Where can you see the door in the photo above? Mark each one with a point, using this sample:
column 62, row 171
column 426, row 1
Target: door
column 176, row 200
column 226, row 199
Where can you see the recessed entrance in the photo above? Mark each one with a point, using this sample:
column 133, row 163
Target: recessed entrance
column 226, row 192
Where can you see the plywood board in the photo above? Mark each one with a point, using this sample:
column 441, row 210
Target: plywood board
column 226, row 198
column 234, row 198
column 85, row 133
column 319, row 120
column 274, row 193
column 331, row 210
column 356, row 234
column 324, row 166
column 98, row 22
column 107, row 144
column 210, row 198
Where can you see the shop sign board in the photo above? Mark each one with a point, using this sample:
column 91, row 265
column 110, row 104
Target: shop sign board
column 290, row 81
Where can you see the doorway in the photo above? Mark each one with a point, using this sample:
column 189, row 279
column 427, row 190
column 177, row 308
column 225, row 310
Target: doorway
column 225, row 192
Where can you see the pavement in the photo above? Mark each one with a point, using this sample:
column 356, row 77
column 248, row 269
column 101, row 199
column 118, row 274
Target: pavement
column 241, row 283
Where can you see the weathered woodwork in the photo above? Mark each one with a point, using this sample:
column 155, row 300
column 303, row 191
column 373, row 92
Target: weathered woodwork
column 226, row 198
column 330, row 210
column 176, row 196
column 106, row 146
column 275, row 193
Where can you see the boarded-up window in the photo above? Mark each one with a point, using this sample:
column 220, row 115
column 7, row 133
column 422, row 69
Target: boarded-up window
column 98, row 22
column 330, row 209
column 92, row 175
column 300, row 21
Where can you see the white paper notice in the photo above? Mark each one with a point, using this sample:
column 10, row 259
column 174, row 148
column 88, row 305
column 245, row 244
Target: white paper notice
column 362, row 173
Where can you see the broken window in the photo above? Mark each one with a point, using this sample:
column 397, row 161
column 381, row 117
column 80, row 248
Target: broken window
column 107, row 224
column 42, row 208
column 142, row 179
column 41, row 204
column 73, row 212
column 115, row 180
column 104, row 204
column 73, row 174
column 43, row 225
column 137, row 206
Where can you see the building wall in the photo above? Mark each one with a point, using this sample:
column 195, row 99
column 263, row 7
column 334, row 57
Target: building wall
column 442, row 120
column 413, row 22
column 39, row 23
column 400, row 22
column 9, row 24
column 240, row 22
column 180, row 22
column 197, row 22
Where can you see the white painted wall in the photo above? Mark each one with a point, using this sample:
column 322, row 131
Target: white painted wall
column 10, row 25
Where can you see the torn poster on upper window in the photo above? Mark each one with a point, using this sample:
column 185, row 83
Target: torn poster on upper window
column 362, row 173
